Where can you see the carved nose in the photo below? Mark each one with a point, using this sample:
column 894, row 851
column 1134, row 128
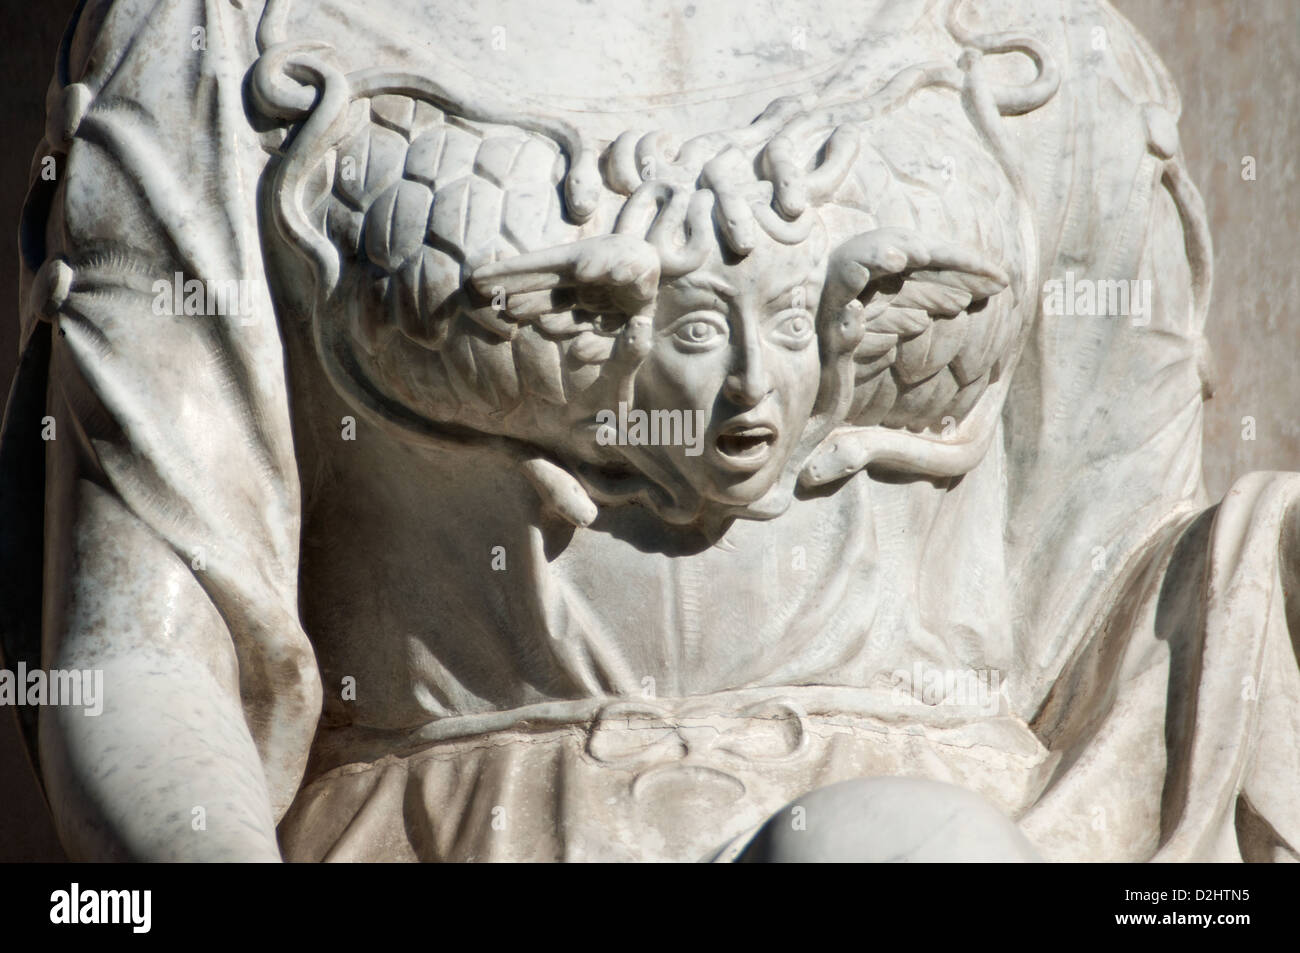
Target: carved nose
column 748, row 384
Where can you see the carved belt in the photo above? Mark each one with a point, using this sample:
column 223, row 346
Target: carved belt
column 695, row 737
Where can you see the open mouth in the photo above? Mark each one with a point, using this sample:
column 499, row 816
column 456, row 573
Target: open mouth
column 746, row 448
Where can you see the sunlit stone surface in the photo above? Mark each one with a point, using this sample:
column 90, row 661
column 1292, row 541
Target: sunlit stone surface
column 517, row 432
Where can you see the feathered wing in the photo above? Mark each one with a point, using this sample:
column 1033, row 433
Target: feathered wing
column 934, row 332
column 414, row 200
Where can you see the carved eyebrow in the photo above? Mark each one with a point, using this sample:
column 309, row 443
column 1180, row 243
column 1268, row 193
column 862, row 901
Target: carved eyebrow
column 703, row 281
column 776, row 298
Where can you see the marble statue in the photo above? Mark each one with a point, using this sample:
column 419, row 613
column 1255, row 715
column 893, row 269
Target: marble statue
column 636, row 431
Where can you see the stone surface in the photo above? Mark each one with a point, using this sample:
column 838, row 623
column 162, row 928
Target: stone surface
column 394, row 478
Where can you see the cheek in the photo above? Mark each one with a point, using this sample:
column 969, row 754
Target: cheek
column 797, row 375
column 673, row 380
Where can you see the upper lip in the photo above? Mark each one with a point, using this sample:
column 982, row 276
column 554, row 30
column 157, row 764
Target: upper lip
column 753, row 419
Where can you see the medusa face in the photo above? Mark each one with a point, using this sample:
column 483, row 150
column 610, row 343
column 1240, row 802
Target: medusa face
column 737, row 341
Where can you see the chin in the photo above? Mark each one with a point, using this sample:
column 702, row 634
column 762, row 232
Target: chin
column 761, row 487
column 765, row 506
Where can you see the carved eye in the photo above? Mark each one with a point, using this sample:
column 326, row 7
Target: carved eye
column 699, row 331
column 793, row 328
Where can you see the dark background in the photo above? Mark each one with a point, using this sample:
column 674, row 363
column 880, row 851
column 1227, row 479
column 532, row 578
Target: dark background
column 1238, row 68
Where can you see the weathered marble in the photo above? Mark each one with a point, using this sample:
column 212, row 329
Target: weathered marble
column 340, row 326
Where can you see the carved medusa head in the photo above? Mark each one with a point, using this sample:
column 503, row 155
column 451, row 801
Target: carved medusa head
column 763, row 290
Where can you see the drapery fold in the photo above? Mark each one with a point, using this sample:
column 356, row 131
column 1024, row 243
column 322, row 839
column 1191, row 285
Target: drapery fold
column 155, row 204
